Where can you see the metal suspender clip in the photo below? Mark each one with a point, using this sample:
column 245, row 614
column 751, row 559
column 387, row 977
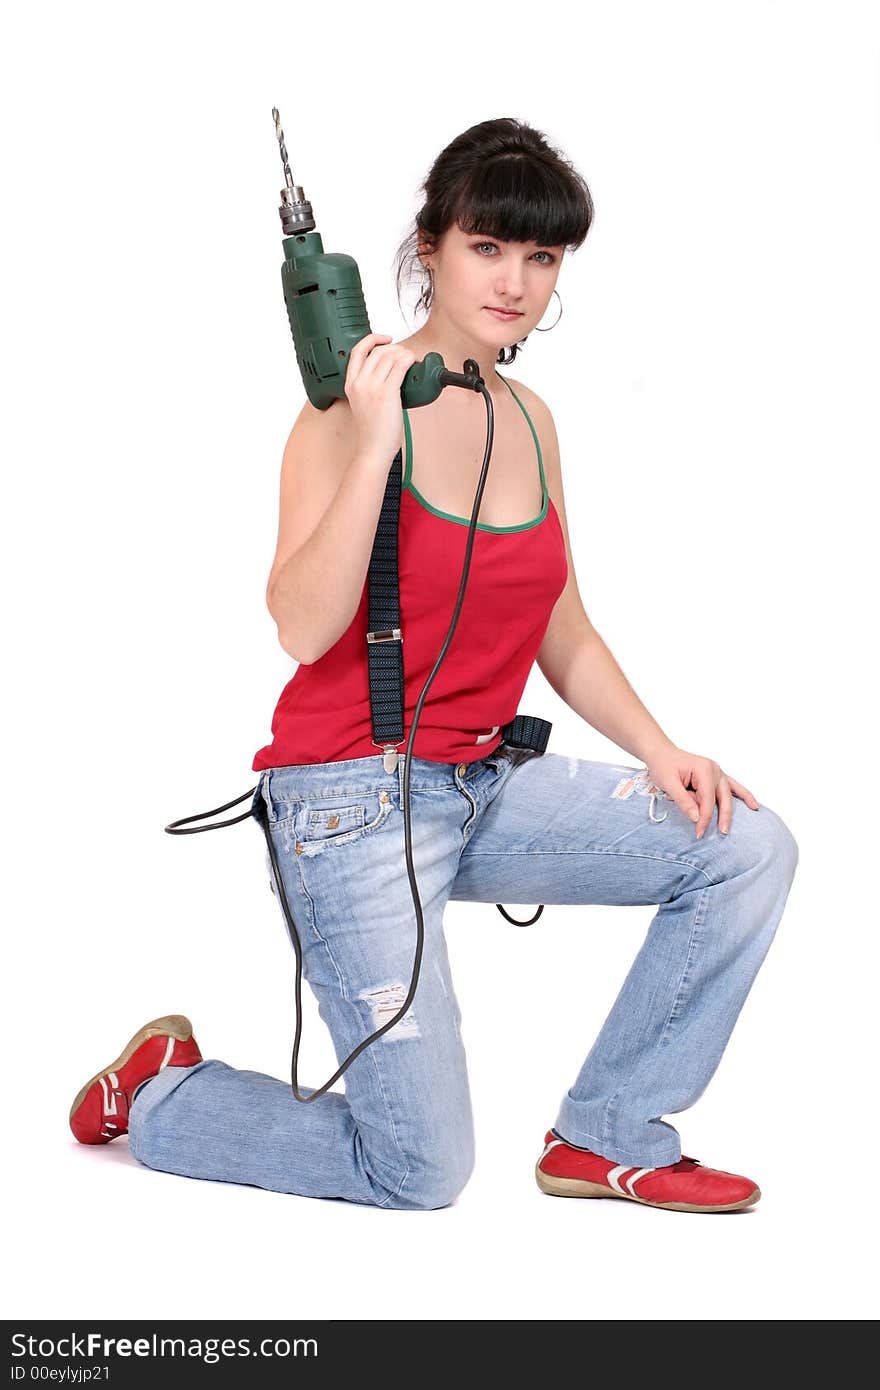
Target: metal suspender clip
column 389, row 634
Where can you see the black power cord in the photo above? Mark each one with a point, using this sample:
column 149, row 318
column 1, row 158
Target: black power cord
column 473, row 381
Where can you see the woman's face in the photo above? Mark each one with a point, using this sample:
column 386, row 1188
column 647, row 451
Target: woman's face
column 473, row 273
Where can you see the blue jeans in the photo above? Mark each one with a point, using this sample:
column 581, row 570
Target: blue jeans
column 513, row 827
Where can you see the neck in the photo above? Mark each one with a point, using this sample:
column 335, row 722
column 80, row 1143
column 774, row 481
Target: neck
column 455, row 348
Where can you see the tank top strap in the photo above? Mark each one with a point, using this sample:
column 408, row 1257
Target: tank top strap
column 534, row 434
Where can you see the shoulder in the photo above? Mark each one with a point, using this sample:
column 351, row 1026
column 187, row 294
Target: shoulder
column 320, row 439
column 569, row 613
column 542, row 419
column 336, row 422
column 527, row 395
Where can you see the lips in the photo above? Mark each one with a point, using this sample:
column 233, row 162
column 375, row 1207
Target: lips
column 504, row 313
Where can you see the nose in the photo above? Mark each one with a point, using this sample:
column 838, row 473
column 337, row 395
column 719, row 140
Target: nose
column 510, row 283
column 511, row 286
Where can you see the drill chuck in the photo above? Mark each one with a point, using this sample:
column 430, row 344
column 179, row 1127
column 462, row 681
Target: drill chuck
column 295, row 212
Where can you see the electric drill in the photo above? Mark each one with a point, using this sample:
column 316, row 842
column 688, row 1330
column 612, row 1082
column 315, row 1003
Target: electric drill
column 327, row 312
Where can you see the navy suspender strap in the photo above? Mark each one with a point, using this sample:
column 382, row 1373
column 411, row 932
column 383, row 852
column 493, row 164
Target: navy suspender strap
column 384, row 637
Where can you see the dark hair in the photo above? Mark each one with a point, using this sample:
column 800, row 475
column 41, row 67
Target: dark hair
column 502, row 178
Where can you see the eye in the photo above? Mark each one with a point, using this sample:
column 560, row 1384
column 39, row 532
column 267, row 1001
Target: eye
column 549, row 261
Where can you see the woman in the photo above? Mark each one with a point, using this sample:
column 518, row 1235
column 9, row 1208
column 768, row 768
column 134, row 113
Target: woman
column 501, row 207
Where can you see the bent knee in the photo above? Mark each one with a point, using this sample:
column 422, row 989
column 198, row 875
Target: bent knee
column 773, row 840
column 439, row 1192
column 432, row 1182
column 757, row 840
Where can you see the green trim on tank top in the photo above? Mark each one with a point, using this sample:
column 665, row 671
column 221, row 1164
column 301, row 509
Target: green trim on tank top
column 409, row 486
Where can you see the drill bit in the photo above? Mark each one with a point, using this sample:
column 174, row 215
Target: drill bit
column 288, row 177
column 295, row 210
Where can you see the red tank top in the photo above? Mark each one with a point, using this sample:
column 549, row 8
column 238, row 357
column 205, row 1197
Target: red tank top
column 517, row 573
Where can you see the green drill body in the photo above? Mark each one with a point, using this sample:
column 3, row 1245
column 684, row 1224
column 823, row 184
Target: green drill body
column 328, row 316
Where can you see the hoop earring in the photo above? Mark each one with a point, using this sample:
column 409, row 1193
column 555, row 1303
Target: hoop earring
column 553, row 325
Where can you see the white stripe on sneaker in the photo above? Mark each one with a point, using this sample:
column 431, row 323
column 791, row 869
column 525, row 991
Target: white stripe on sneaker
column 168, row 1051
column 616, row 1173
column 109, row 1097
column 551, row 1145
column 631, row 1182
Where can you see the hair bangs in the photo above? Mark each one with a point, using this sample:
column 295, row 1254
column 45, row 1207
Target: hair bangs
column 514, row 198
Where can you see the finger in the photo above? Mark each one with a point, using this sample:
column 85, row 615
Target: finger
column 744, row 794
column 705, row 795
column 725, row 806
column 399, row 363
column 679, row 793
column 375, row 366
column 363, row 356
column 364, row 345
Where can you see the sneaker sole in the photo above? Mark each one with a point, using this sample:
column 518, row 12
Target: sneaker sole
column 170, row 1025
column 579, row 1187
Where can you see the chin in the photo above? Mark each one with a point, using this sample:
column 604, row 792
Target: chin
column 510, row 333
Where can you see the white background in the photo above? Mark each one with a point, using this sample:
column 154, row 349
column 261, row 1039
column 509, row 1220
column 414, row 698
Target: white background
column 714, row 385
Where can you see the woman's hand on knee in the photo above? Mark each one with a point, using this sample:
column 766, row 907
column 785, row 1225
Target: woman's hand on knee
column 695, row 784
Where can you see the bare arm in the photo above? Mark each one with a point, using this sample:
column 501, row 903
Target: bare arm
column 573, row 657
column 329, row 511
column 594, row 686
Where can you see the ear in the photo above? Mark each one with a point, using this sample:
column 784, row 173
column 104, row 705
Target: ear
column 424, row 248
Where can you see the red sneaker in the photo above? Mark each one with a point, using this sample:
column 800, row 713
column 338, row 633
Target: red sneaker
column 100, row 1111
column 564, row 1171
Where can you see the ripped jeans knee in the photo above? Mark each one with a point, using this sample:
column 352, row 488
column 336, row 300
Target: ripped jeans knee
column 642, row 784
